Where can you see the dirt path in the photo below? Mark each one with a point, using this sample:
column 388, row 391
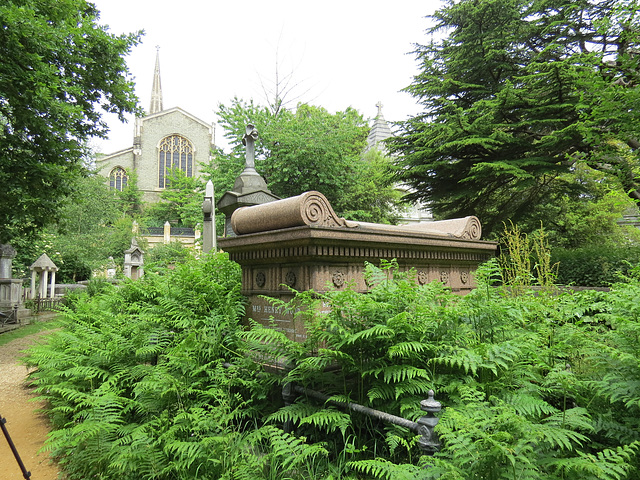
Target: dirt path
column 27, row 428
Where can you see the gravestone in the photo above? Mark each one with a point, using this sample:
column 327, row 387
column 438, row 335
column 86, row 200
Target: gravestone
column 300, row 242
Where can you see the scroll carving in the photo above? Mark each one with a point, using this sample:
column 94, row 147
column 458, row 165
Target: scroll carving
column 310, row 208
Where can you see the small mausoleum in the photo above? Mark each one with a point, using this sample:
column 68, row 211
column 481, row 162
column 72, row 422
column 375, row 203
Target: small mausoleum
column 45, row 269
column 134, row 261
column 300, row 242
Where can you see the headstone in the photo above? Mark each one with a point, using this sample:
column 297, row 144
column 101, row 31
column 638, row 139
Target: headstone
column 111, row 268
column 7, row 254
column 10, row 288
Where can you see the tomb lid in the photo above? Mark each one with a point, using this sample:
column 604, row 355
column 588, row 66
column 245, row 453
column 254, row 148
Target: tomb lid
column 314, row 210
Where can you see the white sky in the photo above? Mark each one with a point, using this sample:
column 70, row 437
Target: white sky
column 342, row 53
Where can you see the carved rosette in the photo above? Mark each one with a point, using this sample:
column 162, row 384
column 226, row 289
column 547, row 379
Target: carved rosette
column 290, row 278
column 444, row 277
column 423, row 277
column 464, row 277
column 338, row 279
column 261, row 279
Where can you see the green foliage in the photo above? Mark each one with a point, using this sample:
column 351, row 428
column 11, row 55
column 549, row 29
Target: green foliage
column 584, row 211
column 526, row 260
column 131, row 202
column 60, row 70
column 181, row 201
column 595, row 266
column 90, row 229
column 135, row 381
column 516, row 94
column 310, row 149
column 534, row 387
column 166, row 256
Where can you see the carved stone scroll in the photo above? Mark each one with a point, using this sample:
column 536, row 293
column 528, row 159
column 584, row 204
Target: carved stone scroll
column 310, row 208
column 468, row 228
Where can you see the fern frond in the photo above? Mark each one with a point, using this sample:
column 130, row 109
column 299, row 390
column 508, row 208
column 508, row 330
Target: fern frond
column 380, row 468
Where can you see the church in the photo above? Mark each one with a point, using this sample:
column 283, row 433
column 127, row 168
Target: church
column 162, row 140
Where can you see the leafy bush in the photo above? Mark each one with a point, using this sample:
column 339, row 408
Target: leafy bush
column 534, row 386
column 167, row 255
column 526, row 379
column 135, row 380
column 596, row 266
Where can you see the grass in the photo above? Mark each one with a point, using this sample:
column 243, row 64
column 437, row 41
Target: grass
column 28, row 330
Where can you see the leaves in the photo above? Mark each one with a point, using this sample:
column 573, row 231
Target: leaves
column 518, row 97
column 60, row 70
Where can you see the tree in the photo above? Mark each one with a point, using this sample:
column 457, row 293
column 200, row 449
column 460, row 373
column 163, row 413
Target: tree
column 517, row 95
column 181, row 201
column 91, row 227
column 60, row 69
column 312, row 149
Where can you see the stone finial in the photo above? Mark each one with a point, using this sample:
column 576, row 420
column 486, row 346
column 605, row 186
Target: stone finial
column 209, row 224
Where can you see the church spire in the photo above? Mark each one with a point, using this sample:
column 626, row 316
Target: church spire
column 156, row 90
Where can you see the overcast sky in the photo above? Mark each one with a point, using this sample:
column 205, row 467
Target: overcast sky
column 341, row 53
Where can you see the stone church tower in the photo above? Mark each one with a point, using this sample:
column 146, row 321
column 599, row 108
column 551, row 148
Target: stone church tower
column 162, row 140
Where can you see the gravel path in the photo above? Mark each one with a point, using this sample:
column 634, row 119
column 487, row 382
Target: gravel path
column 28, row 429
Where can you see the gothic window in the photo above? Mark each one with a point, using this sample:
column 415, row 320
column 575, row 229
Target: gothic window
column 118, row 179
column 174, row 152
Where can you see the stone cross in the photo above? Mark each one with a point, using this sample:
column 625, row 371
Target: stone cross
column 379, row 105
column 249, row 140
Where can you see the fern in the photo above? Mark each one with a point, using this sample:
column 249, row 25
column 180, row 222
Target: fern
column 384, row 469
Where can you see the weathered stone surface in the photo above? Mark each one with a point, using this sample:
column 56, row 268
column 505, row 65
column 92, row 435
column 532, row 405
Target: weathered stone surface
column 281, row 246
column 310, row 208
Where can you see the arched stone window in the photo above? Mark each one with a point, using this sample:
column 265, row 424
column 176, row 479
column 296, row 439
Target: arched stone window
column 174, row 152
column 118, row 178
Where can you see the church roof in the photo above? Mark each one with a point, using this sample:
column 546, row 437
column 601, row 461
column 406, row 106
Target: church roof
column 176, row 109
column 379, row 130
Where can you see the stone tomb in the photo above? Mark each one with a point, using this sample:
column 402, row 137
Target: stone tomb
column 10, row 288
column 300, row 242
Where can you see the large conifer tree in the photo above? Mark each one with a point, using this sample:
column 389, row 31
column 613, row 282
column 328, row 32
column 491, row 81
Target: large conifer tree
column 514, row 94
